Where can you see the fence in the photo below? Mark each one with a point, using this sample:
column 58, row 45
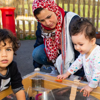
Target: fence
column 26, row 26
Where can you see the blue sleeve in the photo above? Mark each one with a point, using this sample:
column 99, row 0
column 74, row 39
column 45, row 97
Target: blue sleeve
column 39, row 39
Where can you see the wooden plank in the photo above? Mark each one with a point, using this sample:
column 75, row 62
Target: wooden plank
column 57, row 1
column 23, row 10
column 28, row 3
column 83, row 8
column 97, row 21
column 89, row 2
column 63, row 4
column 35, row 27
column 18, row 29
column 68, row 5
column 16, row 10
column 29, row 23
column 14, row 3
column 23, row 13
column 78, row 7
column 74, row 90
column 73, row 5
column 93, row 14
column 23, row 29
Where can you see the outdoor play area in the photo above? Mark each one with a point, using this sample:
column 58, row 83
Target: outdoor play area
column 17, row 16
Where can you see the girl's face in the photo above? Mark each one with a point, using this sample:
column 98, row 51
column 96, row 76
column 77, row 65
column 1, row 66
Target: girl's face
column 6, row 54
column 83, row 44
column 47, row 18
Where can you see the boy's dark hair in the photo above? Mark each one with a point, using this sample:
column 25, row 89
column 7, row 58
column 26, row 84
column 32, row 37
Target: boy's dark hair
column 6, row 34
column 84, row 25
column 37, row 11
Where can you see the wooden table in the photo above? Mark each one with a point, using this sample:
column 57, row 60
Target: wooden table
column 50, row 83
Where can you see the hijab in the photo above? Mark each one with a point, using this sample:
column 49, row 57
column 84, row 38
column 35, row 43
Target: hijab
column 51, row 44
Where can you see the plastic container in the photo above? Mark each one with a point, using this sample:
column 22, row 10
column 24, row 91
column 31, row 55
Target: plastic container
column 68, row 89
column 37, row 82
column 41, row 94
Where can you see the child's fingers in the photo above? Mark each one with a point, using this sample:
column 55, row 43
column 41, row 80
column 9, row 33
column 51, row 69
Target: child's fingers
column 85, row 93
column 59, row 77
column 64, row 77
column 82, row 90
column 88, row 94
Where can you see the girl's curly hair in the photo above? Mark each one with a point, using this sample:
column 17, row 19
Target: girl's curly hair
column 83, row 25
column 6, row 34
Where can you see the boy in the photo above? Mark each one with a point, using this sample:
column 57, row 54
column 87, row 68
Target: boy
column 9, row 74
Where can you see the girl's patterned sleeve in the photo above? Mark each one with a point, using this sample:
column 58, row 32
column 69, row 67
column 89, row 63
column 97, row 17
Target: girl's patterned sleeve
column 76, row 65
column 95, row 77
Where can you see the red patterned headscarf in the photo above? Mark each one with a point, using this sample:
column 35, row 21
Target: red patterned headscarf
column 51, row 46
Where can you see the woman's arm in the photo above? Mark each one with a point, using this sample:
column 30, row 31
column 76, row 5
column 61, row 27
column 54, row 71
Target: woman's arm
column 39, row 39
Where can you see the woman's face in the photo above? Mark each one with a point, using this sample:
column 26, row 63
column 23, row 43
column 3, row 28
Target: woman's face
column 47, row 18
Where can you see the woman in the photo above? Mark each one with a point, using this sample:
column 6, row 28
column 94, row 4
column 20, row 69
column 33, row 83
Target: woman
column 57, row 49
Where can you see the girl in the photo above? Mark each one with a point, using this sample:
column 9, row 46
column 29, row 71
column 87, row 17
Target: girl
column 83, row 36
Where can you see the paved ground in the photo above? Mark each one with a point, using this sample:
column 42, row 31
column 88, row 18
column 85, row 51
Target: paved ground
column 24, row 56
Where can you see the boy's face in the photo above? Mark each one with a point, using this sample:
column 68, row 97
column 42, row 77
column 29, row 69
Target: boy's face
column 6, row 54
column 83, row 44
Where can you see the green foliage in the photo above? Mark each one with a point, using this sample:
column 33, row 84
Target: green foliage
column 30, row 37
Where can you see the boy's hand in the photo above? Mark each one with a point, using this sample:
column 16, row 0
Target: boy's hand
column 63, row 76
column 86, row 90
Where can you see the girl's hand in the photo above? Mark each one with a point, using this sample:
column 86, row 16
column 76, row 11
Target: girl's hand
column 63, row 76
column 86, row 90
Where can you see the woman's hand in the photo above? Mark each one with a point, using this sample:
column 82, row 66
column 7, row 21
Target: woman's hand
column 63, row 76
column 86, row 90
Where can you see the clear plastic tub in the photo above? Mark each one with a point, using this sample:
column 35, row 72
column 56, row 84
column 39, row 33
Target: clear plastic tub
column 46, row 87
